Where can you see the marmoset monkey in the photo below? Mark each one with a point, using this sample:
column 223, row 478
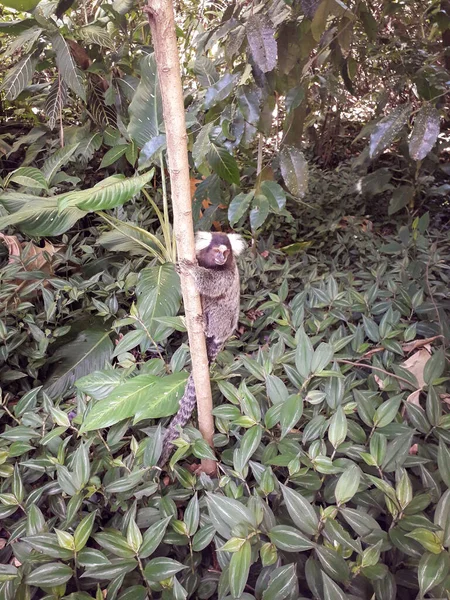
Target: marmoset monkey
column 217, row 279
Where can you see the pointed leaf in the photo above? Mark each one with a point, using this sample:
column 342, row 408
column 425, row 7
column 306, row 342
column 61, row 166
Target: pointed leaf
column 425, row 132
column 294, row 169
column 387, row 130
column 261, row 39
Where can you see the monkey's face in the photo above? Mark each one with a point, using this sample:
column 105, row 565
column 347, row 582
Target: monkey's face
column 220, row 254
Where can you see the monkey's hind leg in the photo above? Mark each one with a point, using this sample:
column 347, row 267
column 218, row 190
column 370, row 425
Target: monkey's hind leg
column 187, row 405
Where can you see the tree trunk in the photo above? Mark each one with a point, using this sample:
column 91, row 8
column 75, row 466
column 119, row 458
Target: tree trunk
column 162, row 25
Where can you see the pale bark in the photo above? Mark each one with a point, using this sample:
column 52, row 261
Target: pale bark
column 162, row 25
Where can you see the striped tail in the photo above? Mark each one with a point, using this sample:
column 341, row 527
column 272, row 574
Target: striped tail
column 187, row 405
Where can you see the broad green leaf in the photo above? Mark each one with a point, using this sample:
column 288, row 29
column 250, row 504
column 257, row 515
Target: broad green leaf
column 146, row 106
column 164, row 401
column 387, row 411
column 29, row 177
column 428, row 539
column 83, row 531
column 158, row 295
column 223, row 164
column 259, row 212
column 300, row 510
column 239, row 569
column 226, row 513
column 443, row 461
column 303, row 354
column 107, row 194
column 37, row 216
column 99, row 384
column 274, row 194
column 49, row 575
column 323, row 355
column 239, row 206
column 89, row 351
column 337, row 429
column 442, row 517
column 333, row 564
column 294, row 170
column 388, row 129
column 276, row 389
column 404, row 490
column 331, row 591
column 434, row 367
column 425, row 132
column 433, row 569
column 192, row 515
column 203, row 538
column 113, row 541
column 220, row 90
column 7, row 573
column 250, row 442
column 289, row 539
column 115, row 571
column 291, row 412
column 281, row 583
column 401, row 197
column 66, row 65
column 158, row 569
column 113, row 155
column 347, row 485
column 261, row 39
column 19, row 76
column 132, row 398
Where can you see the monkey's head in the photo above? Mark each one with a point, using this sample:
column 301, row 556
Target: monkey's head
column 216, row 250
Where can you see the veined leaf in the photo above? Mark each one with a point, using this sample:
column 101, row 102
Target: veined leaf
column 223, row 164
column 294, row 169
column 261, row 39
column 19, row 76
column 425, row 132
column 66, row 65
column 387, row 130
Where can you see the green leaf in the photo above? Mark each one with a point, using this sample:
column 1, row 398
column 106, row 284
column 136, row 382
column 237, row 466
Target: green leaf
column 387, row 411
column 239, row 569
column 333, row 564
column 259, row 211
column 281, row 583
column 434, row 367
column 239, row 206
column 261, row 39
column 323, row 355
column 146, row 106
column 404, row 490
column 158, row 569
column 300, row 510
column 443, row 461
column 401, row 197
column 425, row 132
column 290, row 415
column 203, row 538
column 226, row 513
column 276, row 389
column 90, row 350
column 83, row 531
column 114, row 571
column 114, row 542
column 109, row 193
column 223, row 164
column 331, row 591
column 294, row 170
column 164, row 401
column 66, row 65
column 37, row 216
column 428, row 539
column 337, row 430
column 99, row 384
column 7, row 573
column 49, row 575
column 158, row 295
column 433, row 569
column 303, row 354
column 132, row 397
column 19, row 76
column 113, row 155
column 289, row 539
column 274, row 194
column 387, row 130
column 347, row 485
column 250, row 442
column 153, row 537
column 29, row 177
column 442, row 517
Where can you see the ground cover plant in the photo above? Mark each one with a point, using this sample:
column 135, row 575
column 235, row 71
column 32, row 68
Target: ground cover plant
column 317, row 133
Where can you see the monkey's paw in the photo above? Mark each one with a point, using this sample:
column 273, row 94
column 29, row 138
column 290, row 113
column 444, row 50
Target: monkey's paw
column 184, row 266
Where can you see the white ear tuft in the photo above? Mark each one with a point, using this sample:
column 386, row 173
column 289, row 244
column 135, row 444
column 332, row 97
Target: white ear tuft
column 202, row 240
column 237, row 243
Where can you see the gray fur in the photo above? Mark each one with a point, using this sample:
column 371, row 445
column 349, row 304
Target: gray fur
column 219, row 290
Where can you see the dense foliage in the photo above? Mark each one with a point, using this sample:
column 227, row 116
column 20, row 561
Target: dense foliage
column 315, row 130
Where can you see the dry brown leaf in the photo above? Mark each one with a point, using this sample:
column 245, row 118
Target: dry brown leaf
column 414, row 398
column 415, row 364
column 3, row 543
column 445, row 398
column 410, row 346
column 414, row 449
column 34, row 258
column 379, row 381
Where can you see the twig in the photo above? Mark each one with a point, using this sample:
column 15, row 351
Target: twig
column 358, row 364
